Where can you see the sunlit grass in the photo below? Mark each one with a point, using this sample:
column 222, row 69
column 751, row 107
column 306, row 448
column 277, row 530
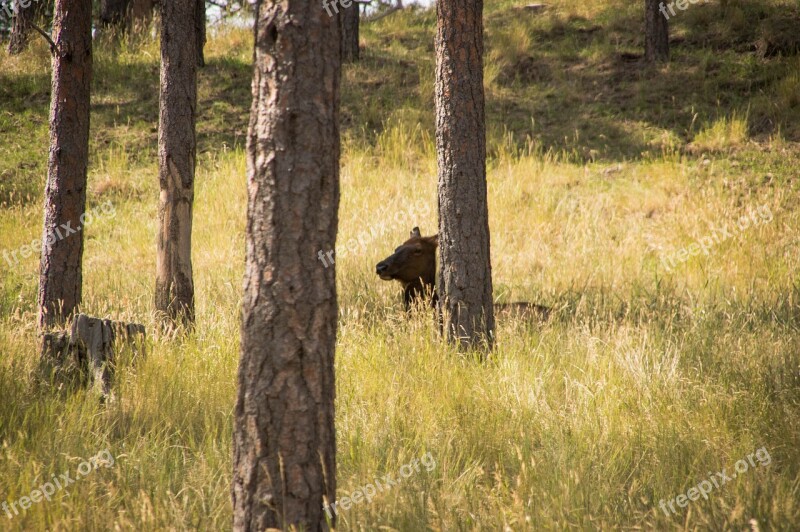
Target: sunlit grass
column 644, row 381
column 724, row 134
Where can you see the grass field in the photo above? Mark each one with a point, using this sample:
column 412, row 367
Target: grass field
column 665, row 363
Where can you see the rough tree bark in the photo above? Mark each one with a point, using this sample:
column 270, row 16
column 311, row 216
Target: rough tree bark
column 176, row 161
column 465, row 279
column 90, row 349
column 656, row 32
column 114, row 13
column 200, row 31
column 349, row 18
column 284, row 437
column 126, row 14
column 60, row 275
column 21, row 26
column 142, row 11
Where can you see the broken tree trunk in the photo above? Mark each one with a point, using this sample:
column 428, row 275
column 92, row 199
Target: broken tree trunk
column 90, row 348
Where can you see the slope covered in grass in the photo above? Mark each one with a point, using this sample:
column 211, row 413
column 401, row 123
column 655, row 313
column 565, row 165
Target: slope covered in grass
column 664, row 364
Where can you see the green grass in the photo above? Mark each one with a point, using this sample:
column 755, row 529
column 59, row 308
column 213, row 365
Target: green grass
column 644, row 382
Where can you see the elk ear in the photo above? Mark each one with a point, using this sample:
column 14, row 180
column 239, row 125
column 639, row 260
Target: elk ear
column 415, row 233
column 434, row 240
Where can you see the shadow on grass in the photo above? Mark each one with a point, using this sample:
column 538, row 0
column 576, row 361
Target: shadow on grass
column 124, row 113
column 582, row 89
column 132, row 100
column 592, row 95
column 579, row 89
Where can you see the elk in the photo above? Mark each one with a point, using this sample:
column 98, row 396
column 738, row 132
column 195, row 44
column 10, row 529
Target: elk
column 413, row 264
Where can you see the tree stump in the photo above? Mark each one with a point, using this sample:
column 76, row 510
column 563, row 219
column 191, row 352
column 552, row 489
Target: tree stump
column 90, row 348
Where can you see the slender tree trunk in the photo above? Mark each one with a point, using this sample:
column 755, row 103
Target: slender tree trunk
column 21, row 26
column 200, row 30
column 284, row 461
column 465, row 278
column 60, row 275
column 142, row 12
column 656, row 32
column 126, row 15
column 114, row 13
column 349, row 18
column 176, row 161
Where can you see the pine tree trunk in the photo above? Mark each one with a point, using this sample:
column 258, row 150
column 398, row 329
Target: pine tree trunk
column 656, row 33
column 21, row 27
column 350, row 18
column 176, row 161
column 126, row 15
column 284, row 462
column 200, row 30
column 465, row 279
column 60, row 274
column 114, row 13
column 141, row 12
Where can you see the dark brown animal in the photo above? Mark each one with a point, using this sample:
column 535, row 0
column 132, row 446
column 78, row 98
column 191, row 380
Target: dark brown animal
column 414, row 265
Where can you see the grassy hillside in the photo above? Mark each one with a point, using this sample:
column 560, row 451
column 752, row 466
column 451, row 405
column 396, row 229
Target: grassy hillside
column 665, row 363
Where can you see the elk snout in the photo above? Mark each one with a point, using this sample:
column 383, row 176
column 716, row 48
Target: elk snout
column 381, row 269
